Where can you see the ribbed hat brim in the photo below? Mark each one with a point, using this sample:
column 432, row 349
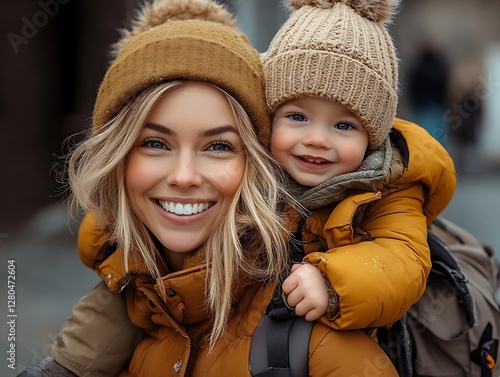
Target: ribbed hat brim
column 336, row 77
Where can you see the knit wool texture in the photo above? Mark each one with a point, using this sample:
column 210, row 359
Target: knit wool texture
column 186, row 50
column 336, row 54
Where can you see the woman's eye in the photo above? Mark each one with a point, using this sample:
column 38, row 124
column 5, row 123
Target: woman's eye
column 154, row 144
column 298, row 117
column 221, row 146
column 343, row 126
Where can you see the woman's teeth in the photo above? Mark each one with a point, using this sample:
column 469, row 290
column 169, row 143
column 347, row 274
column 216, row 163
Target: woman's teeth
column 183, row 209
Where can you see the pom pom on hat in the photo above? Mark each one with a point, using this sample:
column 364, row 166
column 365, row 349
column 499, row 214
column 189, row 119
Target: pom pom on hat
column 161, row 11
column 184, row 40
column 380, row 11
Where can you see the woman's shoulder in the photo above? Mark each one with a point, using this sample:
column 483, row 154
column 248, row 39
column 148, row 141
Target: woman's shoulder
column 93, row 242
column 346, row 353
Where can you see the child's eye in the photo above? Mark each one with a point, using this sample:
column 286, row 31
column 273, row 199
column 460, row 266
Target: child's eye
column 343, row 126
column 298, row 117
column 220, row 146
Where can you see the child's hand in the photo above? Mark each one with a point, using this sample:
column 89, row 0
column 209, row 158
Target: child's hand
column 306, row 291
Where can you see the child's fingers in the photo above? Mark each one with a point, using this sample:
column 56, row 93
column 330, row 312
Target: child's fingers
column 290, row 283
column 313, row 315
column 308, row 310
column 293, row 299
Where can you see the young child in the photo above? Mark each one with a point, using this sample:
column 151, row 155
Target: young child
column 331, row 77
column 331, row 82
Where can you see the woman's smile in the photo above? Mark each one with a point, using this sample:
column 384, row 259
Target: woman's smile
column 184, row 209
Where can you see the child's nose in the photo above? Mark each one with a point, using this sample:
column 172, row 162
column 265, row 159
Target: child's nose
column 317, row 139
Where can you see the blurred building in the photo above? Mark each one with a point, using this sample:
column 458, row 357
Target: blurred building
column 467, row 34
column 53, row 55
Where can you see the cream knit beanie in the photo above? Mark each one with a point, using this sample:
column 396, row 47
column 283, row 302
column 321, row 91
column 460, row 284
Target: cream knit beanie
column 338, row 50
column 184, row 39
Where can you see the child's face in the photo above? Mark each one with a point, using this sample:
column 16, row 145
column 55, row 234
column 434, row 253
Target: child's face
column 316, row 139
column 185, row 168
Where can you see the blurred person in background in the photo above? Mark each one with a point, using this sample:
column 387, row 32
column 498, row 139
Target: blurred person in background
column 428, row 90
column 464, row 116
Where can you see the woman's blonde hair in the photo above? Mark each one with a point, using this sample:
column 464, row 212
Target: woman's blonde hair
column 252, row 240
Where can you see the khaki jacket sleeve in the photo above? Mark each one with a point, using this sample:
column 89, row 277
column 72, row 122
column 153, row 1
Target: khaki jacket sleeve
column 98, row 339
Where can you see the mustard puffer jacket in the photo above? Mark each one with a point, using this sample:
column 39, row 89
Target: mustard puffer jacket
column 172, row 313
column 368, row 230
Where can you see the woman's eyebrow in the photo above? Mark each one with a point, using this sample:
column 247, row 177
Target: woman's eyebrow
column 217, row 131
column 159, row 128
column 203, row 133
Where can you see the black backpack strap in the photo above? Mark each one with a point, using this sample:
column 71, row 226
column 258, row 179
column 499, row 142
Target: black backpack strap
column 280, row 344
column 280, row 347
column 397, row 344
column 296, row 245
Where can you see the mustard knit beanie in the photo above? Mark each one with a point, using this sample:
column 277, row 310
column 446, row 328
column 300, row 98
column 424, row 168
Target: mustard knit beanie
column 184, row 39
column 338, row 50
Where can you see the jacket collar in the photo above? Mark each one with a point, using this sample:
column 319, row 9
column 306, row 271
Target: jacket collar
column 181, row 294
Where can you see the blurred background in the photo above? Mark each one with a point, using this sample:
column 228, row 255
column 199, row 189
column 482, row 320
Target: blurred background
column 54, row 54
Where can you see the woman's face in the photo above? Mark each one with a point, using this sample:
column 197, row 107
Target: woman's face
column 185, row 168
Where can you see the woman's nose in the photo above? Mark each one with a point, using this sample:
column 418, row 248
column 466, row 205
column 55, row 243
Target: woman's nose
column 185, row 172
